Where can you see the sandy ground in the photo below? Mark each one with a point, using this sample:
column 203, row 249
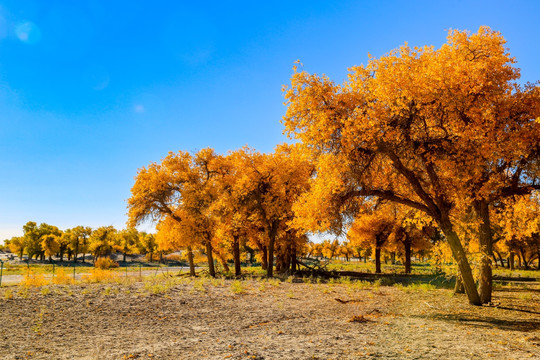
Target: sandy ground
column 186, row 319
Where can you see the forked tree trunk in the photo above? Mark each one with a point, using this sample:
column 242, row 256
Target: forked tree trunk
column 459, row 255
column 500, row 258
column 236, row 256
column 191, row 262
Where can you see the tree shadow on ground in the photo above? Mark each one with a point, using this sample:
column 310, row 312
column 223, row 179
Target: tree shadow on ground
column 480, row 321
column 517, row 290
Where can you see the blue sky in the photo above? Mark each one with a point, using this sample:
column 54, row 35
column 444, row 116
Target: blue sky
column 91, row 91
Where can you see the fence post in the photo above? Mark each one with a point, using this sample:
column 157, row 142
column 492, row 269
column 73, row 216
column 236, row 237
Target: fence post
column 52, row 272
column 1, row 271
column 140, row 272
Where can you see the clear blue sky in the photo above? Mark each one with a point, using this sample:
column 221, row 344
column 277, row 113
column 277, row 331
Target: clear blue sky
column 90, row 91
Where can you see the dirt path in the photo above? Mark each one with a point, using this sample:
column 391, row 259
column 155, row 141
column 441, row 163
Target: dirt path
column 199, row 320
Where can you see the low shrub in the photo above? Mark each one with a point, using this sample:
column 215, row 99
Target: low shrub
column 61, row 278
column 32, row 279
column 105, row 263
column 98, row 276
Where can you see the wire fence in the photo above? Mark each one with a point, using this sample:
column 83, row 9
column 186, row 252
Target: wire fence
column 73, row 273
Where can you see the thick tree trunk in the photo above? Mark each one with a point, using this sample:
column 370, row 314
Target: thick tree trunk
column 236, row 256
column 271, row 243
column 378, row 260
column 210, row 258
column 486, row 250
column 264, row 258
column 286, row 261
column 191, row 262
column 461, row 258
column 407, row 257
column 124, row 258
column 511, row 262
column 61, row 256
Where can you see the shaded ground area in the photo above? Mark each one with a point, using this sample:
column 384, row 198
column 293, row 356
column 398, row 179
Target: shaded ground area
column 176, row 318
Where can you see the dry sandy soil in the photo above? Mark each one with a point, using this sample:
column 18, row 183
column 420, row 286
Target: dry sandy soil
column 185, row 319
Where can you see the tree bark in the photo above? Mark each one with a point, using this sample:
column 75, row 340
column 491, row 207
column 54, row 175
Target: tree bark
column 525, row 263
column 500, row 258
column 458, row 288
column 236, row 256
column 210, row 258
column 223, row 262
column 511, row 262
column 264, row 258
column 486, row 250
column 293, row 260
column 272, row 239
column 378, row 260
column 191, row 262
column 461, row 258
column 407, row 257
